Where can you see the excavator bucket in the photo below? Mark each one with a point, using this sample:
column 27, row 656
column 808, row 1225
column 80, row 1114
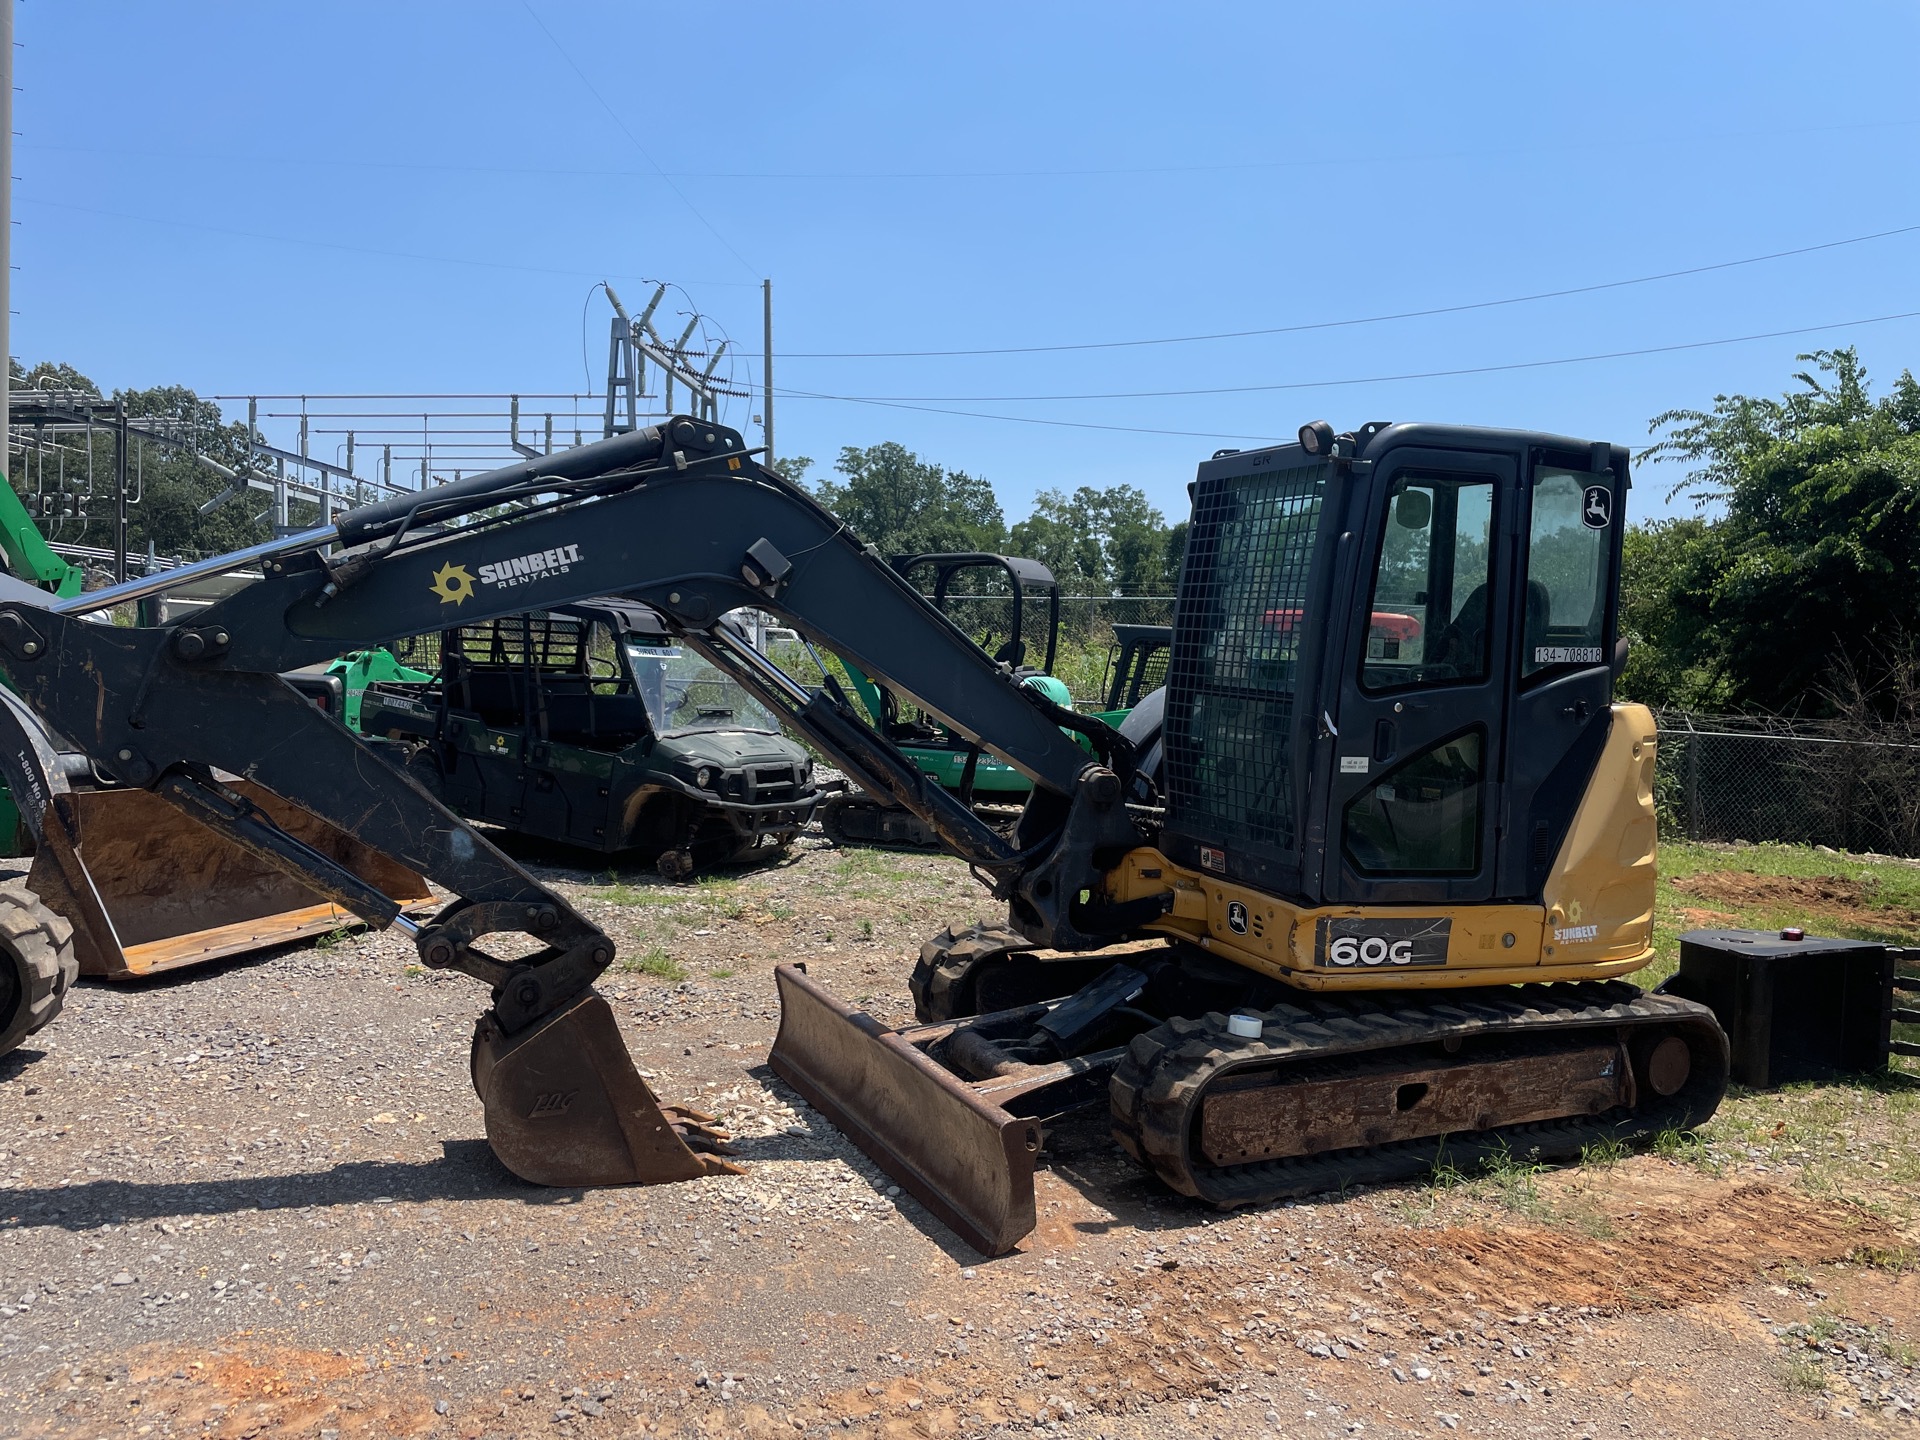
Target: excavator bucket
column 149, row 889
column 565, row 1107
column 954, row 1150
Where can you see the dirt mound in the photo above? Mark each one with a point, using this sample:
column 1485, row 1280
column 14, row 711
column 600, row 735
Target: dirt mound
column 1661, row 1255
column 1834, row 896
column 1739, row 888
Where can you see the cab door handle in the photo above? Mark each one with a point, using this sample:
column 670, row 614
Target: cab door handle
column 1384, row 739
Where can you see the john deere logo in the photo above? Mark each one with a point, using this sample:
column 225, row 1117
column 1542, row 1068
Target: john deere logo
column 1236, row 917
column 452, row 584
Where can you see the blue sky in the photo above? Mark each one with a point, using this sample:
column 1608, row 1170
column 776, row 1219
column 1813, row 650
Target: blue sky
column 252, row 198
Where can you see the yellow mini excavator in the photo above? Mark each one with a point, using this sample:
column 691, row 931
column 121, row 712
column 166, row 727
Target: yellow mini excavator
column 1354, row 891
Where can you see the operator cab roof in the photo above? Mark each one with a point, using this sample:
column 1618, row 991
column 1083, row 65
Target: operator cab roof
column 1378, row 436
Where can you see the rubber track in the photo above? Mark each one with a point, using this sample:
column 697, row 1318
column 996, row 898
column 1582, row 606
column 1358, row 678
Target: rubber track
column 1159, row 1085
column 942, row 978
column 39, row 945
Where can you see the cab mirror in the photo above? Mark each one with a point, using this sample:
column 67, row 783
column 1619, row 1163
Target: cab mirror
column 1413, row 510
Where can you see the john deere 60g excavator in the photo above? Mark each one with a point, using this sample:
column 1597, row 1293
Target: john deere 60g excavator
column 1344, row 895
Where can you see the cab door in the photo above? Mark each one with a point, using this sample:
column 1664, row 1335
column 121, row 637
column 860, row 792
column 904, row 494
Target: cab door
column 1413, row 803
column 1573, row 514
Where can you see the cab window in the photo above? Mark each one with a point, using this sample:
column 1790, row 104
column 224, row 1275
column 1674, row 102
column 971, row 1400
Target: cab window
column 1429, row 619
column 1422, row 817
column 1569, row 546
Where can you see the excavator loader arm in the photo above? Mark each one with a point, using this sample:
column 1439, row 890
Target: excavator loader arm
column 678, row 516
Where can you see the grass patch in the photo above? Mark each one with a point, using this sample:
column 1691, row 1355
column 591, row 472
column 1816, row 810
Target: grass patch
column 1684, row 1147
column 1804, row 1375
column 860, row 864
column 1896, row 1261
column 1604, row 1153
column 1516, row 1184
column 721, row 974
column 332, row 938
column 655, row 962
column 618, row 892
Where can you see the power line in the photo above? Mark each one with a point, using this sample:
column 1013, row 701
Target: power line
column 614, row 115
column 915, row 402
column 1358, row 320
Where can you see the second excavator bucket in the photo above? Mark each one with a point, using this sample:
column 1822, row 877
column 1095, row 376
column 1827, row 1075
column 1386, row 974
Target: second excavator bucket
column 150, row 889
column 565, row 1107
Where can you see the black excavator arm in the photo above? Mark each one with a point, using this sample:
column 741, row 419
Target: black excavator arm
column 679, row 516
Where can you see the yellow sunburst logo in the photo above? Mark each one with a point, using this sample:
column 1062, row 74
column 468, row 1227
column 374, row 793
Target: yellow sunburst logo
column 452, row 584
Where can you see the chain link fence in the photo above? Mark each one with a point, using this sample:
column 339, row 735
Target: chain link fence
column 1799, row 782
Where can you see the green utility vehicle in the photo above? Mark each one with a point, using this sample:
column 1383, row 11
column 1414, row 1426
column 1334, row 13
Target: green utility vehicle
column 28, row 557
column 592, row 726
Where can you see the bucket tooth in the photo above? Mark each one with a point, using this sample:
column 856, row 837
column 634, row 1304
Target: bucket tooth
column 565, row 1107
column 967, row 1160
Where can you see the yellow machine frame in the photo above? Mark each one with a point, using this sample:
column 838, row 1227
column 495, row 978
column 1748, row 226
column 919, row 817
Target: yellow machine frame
column 1595, row 922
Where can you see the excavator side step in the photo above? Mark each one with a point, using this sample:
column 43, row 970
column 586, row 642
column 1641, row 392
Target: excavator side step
column 964, row 1156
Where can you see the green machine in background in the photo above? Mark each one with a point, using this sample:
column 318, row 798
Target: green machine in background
column 359, row 669
column 855, row 818
column 28, row 557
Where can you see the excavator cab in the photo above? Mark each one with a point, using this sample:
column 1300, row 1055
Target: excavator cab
column 1422, row 725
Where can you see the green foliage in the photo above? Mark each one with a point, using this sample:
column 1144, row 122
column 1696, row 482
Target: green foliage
column 1663, row 666
column 902, row 504
column 1817, row 560
column 171, row 485
column 656, row 962
column 1101, row 542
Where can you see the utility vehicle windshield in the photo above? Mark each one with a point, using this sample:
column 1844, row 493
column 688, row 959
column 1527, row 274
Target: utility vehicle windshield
column 685, row 692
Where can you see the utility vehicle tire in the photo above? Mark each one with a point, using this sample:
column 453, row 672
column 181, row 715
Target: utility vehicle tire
column 37, row 964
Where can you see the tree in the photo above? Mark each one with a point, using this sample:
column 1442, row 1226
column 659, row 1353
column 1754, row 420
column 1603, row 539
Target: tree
column 902, row 504
column 1663, row 669
column 1817, row 559
column 168, row 485
column 1111, row 540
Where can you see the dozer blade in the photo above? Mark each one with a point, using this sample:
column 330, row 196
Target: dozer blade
column 150, row 889
column 565, row 1107
column 968, row 1161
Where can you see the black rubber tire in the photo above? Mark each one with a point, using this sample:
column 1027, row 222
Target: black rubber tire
column 37, row 964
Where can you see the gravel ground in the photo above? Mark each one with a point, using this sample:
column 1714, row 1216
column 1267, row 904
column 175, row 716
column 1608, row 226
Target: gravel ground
column 254, row 1199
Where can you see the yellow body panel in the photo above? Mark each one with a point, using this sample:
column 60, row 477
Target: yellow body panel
column 1596, row 920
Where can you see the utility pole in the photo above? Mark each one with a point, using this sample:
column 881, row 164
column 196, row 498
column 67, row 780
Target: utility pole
column 766, row 360
column 6, row 232
column 120, row 495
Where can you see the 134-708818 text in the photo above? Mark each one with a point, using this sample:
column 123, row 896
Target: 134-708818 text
column 1356, row 942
